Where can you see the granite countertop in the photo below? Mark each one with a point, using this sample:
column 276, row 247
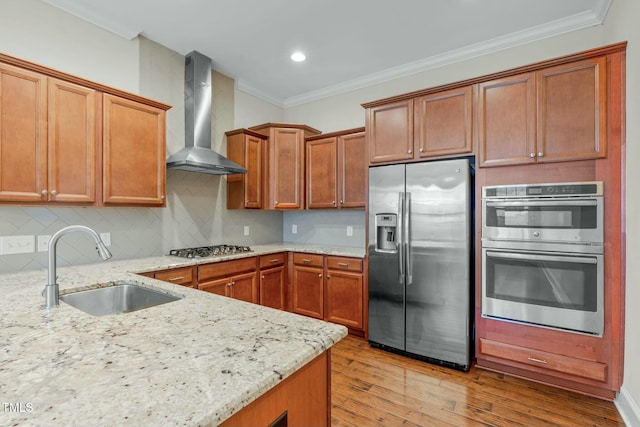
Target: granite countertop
column 195, row 361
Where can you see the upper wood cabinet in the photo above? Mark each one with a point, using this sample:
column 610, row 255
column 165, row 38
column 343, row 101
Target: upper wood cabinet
column 246, row 148
column 336, row 170
column 443, row 123
column 67, row 140
column 433, row 125
column 390, row 132
column 133, row 153
column 554, row 114
column 284, row 172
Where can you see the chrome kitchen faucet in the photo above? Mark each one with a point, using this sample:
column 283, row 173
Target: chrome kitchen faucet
column 51, row 290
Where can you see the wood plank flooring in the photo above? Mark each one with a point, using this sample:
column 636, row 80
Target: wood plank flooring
column 371, row 387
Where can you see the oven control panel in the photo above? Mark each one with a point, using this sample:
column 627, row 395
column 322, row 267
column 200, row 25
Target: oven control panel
column 576, row 189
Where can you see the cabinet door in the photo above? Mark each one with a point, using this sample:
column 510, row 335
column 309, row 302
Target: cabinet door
column 23, row 135
column 322, row 173
column 244, row 287
column 286, row 168
column 572, row 111
column 218, row 287
column 344, row 296
column 244, row 191
column 507, row 121
column 308, row 291
column 134, row 153
column 272, row 289
column 443, row 123
column 72, row 143
column 390, row 132
column 352, row 170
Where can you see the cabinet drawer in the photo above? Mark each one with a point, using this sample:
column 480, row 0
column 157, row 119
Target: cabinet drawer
column 179, row 276
column 226, row 268
column 310, row 260
column 344, row 263
column 542, row 359
column 272, row 260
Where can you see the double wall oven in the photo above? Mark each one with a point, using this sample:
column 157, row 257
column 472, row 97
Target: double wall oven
column 542, row 255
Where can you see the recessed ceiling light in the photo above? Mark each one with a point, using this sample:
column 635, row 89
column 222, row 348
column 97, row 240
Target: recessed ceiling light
column 298, row 57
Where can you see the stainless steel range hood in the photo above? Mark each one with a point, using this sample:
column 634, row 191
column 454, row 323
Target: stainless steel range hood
column 197, row 155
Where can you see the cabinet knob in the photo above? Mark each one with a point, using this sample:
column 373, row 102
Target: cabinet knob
column 162, row 197
column 231, row 283
column 54, row 193
column 44, row 192
column 532, row 155
column 262, row 277
column 342, row 202
column 422, row 150
column 320, row 275
column 333, row 202
column 540, row 154
column 275, row 202
column 409, row 151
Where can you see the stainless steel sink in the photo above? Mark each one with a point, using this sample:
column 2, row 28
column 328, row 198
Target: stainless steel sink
column 119, row 298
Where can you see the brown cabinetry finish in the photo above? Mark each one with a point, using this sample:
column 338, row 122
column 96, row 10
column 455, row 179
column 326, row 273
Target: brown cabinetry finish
column 72, row 143
column 443, row 123
column 308, row 285
column 305, row 396
column 23, row 135
column 134, row 153
column 179, row 276
column 344, row 292
column 390, row 132
column 236, row 279
column 246, row 148
column 284, row 173
column 336, row 170
column 273, row 279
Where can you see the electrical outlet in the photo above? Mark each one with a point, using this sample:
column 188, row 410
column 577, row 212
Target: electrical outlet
column 349, row 230
column 294, row 228
column 246, row 230
column 17, row 245
column 43, row 242
column 106, row 238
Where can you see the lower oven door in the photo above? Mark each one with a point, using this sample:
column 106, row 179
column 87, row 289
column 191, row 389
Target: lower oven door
column 554, row 289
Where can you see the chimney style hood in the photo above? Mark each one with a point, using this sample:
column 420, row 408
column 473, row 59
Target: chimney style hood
column 197, row 155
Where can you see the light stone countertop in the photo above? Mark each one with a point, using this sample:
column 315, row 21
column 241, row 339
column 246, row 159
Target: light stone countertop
column 195, row 361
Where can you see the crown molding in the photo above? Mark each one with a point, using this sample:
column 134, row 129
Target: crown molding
column 550, row 29
column 243, row 86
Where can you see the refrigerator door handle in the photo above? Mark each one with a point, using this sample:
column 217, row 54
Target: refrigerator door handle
column 400, row 237
column 407, row 237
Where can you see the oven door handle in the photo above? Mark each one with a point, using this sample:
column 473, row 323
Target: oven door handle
column 589, row 202
column 536, row 257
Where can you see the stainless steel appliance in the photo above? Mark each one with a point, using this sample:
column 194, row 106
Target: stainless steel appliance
column 542, row 255
column 420, row 275
column 209, row 251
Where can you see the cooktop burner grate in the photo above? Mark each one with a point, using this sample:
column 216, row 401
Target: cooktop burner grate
column 207, row 251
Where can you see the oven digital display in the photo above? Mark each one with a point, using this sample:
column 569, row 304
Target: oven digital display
column 536, row 218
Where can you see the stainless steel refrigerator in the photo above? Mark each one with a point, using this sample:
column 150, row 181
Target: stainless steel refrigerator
column 420, row 260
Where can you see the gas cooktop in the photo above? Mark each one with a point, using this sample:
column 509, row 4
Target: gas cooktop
column 208, row 251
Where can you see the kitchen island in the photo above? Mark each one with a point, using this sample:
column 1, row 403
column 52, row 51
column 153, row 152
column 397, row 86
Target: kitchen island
column 195, row 361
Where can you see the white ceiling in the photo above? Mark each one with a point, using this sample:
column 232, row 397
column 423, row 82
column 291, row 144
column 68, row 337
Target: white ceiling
column 348, row 43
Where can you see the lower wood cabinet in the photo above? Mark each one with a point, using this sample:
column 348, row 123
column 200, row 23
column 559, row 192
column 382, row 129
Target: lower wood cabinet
column 236, row 279
column 308, row 285
column 273, row 280
column 179, row 276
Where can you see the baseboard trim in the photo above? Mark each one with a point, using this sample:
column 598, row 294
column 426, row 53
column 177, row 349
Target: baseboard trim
column 628, row 408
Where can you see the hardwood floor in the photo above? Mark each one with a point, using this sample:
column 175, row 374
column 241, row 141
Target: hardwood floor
column 371, row 387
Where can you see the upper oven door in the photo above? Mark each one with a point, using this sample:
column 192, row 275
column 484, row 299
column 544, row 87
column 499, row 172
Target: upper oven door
column 571, row 220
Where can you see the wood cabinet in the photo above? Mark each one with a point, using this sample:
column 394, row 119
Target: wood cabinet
column 273, row 280
column 329, row 288
column 284, row 172
column 336, row 170
column 133, row 153
column 67, row 140
column 344, row 292
column 550, row 115
column 246, row 148
column 308, row 285
column 434, row 125
column 236, row 279
column 47, row 139
column 184, row 276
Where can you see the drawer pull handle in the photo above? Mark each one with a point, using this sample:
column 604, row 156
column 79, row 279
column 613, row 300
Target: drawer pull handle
column 343, row 264
column 175, row 279
column 274, row 260
column 306, row 260
column 533, row 359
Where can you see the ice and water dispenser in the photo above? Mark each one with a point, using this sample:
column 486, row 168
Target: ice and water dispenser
column 386, row 232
